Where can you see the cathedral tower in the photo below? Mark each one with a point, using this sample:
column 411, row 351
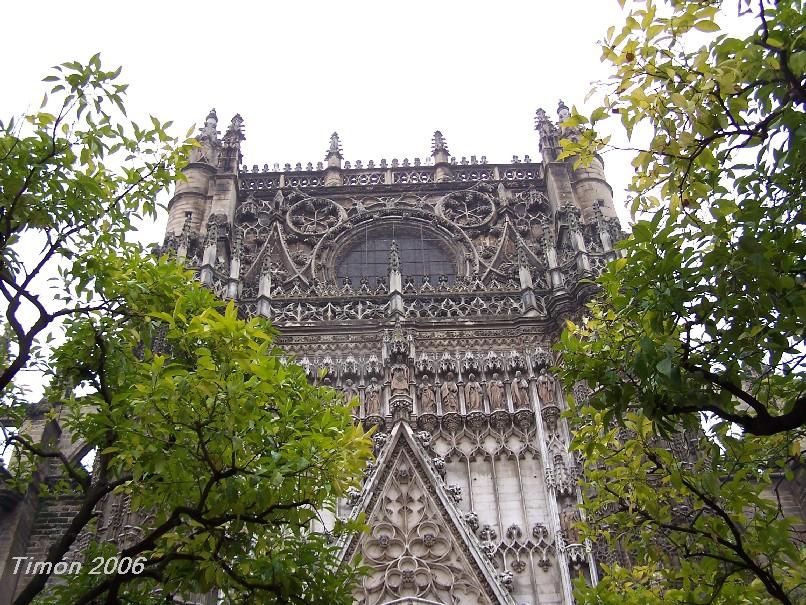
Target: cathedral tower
column 431, row 292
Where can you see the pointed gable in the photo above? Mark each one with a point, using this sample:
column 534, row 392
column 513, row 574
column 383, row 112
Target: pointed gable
column 417, row 547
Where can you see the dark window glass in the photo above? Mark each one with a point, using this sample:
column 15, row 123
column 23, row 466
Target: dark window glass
column 420, row 255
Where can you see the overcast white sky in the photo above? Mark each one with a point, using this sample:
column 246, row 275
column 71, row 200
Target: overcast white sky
column 384, row 75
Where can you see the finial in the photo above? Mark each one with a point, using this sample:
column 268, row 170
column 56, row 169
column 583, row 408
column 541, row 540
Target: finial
column 234, row 132
column 438, row 143
column 541, row 118
column 335, row 145
column 212, row 116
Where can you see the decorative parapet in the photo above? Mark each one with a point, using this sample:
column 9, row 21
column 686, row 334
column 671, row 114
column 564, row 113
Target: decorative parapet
column 266, row 178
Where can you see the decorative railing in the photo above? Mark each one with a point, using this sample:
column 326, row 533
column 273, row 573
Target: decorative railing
column 258, row 179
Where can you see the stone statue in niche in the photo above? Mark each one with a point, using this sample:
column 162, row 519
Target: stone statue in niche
column 568, row 520
column 473, row 394
column 400, row 380
column 545, row 388
column 350, row 393
column 495, row 391
column 520, row 391
column 373, row 398
column 449, row 393
column 427, row 399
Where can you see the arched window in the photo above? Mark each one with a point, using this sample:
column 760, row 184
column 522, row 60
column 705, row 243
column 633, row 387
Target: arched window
column 421, row 253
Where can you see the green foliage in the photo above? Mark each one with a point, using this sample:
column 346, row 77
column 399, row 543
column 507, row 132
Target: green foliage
column 703, row 314
column 701, row 525
column 74, row 177
column 706, row 311
column 228, row 455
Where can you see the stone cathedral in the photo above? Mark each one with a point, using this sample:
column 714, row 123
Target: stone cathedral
column 430, row 292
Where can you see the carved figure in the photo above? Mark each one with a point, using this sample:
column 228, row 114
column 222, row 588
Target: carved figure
column 520, row 391
column 495, row 391
column 350, row 393
column 400, row 380
column 568, row 520
column 373, row 398
column 473, row 394
column 427, row 399
column 545, row 387
column 449, row 393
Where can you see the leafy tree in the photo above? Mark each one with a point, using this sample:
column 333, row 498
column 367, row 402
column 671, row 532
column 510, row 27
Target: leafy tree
column 704, row 313
column 226, row 454
column 696, row 519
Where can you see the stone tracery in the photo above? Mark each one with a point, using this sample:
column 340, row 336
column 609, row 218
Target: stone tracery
column 462, row 352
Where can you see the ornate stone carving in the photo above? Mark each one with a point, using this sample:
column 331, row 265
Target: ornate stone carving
column 400, row 379
column 379, row 440
column 439, row 465
column 427, row 400
column 542, row 358
column 209, row 145
column 546, row 388
column 410, row 549
column 561, row 478
column 520, row 391
column 447, row 364
column 514, row 533
column 353, row 495
column 372, row 398
column 350, row 394
column 569, row 518
column 468, row 208
column 488, row 534
column 313, row 216
column 424, row 438
column 424, row 365
column 507, row 580
column 516, row 361
column 449, row 393
column 473, row 395
column 495, row 393
column 455, row 492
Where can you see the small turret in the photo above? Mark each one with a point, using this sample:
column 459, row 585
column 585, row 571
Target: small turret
column 188, row 208
column 586, row 186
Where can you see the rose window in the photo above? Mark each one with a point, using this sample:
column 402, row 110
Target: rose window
column 468, row 209
column 313, row 216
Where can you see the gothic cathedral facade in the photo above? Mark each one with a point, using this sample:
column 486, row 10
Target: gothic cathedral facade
column 430, row 293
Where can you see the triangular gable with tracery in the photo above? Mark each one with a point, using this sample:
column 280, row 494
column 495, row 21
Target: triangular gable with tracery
column 417, row 547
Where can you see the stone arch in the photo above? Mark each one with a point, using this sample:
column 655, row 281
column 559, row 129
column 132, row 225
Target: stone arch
column 455, row 244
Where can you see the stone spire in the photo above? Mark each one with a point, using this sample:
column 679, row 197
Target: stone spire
column 333, row 159
column 549, row 139
column 440, row 153
column 231, row 145
column 334, row 151
column 438, row 144
column 234, row 134
column 209, row 144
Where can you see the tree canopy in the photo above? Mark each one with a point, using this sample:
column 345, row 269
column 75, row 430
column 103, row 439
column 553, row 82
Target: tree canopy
column 222, row 450
column 702, row 317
